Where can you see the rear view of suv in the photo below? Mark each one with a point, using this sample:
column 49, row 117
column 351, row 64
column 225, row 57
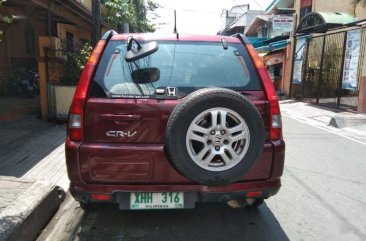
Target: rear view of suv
column 168, row 121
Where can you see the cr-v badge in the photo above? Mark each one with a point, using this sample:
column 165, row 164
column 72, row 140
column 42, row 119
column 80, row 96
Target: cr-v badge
column 120, row 133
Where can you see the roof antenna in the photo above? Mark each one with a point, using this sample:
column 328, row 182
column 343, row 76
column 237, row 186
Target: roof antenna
column 175, row 24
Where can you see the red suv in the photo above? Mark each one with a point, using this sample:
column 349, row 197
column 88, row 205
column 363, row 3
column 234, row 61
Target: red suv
column 168, row 121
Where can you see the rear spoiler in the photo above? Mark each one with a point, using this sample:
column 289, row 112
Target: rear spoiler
column 242, row 38
column 108, row 35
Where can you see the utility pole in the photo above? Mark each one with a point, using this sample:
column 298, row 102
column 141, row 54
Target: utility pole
column 95, row 22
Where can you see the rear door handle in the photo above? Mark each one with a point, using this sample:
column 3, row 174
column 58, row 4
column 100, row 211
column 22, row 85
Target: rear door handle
column 121, row 117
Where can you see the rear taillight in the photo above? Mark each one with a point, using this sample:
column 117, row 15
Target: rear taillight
column 75, row 130
column 275, row 130
column 100, row 197
column 275, row 120
column 254, row 194
column 76, row 115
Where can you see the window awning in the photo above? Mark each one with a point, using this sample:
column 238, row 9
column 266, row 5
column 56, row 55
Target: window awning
column 273, row 46
column 257, row 42
column 267, row 45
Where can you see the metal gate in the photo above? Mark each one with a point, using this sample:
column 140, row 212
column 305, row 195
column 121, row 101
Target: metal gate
column 322, row 72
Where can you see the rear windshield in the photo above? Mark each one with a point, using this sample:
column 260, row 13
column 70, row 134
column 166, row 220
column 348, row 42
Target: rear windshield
column 184, row 66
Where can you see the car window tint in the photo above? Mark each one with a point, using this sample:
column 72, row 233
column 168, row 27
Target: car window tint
column 181, row 65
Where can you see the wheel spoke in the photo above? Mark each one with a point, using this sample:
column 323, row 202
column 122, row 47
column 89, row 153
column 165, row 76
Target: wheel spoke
column 232, row 153
column 200, row 129
column 194, row 136
column 238, row 137
column 209, row 158
column 202, row 153
column 225, row 158
column 214, row 115
column 237, row 128
column 223, row 118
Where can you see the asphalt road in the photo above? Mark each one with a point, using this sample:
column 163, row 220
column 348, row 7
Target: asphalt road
column 323, row 197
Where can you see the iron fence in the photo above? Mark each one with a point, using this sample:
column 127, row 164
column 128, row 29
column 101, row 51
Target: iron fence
column 322, row 72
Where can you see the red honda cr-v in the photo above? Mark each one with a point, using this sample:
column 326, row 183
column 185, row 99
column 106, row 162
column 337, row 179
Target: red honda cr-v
column 168, row 121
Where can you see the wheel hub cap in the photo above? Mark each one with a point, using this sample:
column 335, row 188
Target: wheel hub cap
column 217, row 139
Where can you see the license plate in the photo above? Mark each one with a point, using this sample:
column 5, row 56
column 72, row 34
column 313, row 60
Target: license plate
column 156, row 200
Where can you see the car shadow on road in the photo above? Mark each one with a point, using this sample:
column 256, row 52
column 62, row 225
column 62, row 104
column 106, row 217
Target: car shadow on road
column 206, row 222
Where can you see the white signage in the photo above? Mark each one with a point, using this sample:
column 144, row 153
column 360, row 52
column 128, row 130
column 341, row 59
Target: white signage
column 299, row 53
column 284, row 23
column 352, row 55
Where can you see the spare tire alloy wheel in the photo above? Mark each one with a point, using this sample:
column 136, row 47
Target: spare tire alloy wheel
column 214, row 136
column 217, row 139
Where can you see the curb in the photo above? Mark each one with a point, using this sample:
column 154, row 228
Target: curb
column 29, row 213
column 66, row 222
column 342, row 120
column 333, row 117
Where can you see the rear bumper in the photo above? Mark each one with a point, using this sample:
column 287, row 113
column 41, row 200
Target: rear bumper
column 193, row 193
column 83, row 191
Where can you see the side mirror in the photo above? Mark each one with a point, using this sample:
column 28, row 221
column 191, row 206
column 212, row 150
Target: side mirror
column 141, row 51
column 145, row 76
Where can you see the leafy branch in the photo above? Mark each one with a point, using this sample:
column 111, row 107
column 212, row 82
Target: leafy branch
column 4, row 18
column 133, row 12
column 74, row 64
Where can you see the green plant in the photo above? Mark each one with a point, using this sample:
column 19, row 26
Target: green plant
column 133, row 12
column 4, row 18
column 74, row 64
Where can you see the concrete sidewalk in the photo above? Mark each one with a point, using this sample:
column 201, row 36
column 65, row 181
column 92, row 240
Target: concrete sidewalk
column 33, row 178
column 351, row 125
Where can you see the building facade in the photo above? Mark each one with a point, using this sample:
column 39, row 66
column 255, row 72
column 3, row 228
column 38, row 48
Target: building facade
column 329, row 55
column 36, row 25
column 34, row 18
column 237, row 19
column 313, row 63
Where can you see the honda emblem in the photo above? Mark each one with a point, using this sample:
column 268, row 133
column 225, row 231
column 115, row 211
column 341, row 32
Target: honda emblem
column 172, row 91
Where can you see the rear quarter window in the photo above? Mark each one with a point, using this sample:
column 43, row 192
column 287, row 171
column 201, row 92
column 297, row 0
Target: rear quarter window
column 187, row 66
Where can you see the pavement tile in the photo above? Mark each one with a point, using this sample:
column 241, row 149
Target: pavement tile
column 32, row 168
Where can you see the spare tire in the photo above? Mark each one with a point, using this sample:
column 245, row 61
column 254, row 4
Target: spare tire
column 214, row 136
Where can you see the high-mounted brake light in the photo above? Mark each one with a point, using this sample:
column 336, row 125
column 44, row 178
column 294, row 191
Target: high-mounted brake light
column 275, row 131
column 77, row 106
